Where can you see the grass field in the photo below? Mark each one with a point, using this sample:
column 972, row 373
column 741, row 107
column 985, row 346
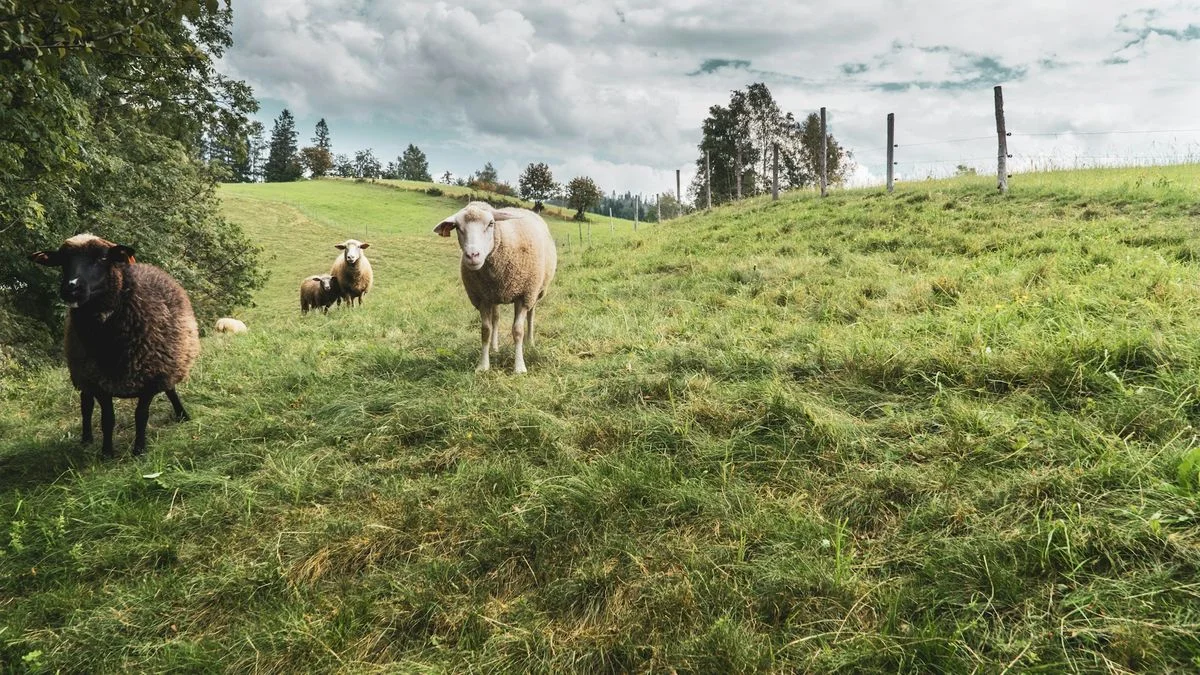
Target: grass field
column 944, row 430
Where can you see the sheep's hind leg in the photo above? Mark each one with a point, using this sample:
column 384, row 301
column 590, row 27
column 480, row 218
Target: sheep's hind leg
column 486, row 328
column 180, row 414
column 107, row 421
column 87, row 403
column 141, row 418
column 520, row 312
column 495, row 326
column 529, row 325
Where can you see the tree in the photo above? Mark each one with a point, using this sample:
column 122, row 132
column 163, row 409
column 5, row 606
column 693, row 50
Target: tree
column 447, row 178
column 837, row 159
column 104, row 118
column 343, row 166
column 487, row 174
column 414, row 166
column 582, row 194
column 537, row 183
column 283, row 163
column 366, row 166
column 740, row 140
column 964, row 170
column 321, row 137
column 316, row 160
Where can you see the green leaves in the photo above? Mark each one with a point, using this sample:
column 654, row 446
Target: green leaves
column 103, row 105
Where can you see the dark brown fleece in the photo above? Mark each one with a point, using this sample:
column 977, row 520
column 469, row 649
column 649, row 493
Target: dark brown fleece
column 139, row 338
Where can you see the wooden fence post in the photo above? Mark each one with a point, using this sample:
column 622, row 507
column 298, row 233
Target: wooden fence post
column 774, row 172
column 891, row 150
column 1002, row 136
column 824, row 155
column 708, row 179
column 678, row 196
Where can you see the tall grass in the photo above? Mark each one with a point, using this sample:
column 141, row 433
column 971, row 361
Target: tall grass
column 945, row 430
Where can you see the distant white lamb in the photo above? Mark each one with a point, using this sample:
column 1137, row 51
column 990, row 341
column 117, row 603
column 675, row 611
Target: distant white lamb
column 230, row 325
column 508, row 256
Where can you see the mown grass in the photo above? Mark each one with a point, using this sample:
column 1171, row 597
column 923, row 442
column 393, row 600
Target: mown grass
column 945, row 430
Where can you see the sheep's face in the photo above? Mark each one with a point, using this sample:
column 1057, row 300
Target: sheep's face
column 476, row 227
column 326, row 283
column 352, row 249
column 88, row 263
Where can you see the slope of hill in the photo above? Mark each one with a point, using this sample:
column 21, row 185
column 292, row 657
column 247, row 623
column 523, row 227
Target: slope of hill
column 942, row 430
column 462, row 192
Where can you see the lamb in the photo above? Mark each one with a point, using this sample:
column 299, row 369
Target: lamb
column 130, row 331
column 319, row 292
column 508, row 256
column 230, row 325
column 352, row 270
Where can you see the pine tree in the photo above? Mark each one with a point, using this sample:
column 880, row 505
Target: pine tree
column 282, row 162
column 414, row 166
column 321, row 140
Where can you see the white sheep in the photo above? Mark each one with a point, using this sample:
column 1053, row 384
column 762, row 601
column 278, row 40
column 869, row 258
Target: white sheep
column 508, row 256
column 229, row 325
column 352, row 270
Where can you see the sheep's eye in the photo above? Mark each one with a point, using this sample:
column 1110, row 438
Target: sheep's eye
column 491, row 223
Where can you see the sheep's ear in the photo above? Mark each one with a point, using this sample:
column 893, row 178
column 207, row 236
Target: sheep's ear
column 120, row 255
column 340, row 247
column 443, row 228
column 47, row 258
column 364, row 246
column 501, row 215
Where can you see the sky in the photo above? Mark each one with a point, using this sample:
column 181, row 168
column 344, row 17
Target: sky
column 618, row 90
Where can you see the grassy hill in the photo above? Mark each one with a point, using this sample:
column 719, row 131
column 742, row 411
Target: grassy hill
column 940, row 430
column 551, row 212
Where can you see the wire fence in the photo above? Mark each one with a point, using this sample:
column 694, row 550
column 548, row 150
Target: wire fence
column 1005, row 153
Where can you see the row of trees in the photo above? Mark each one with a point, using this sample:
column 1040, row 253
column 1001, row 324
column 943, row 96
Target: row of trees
column 285, row 161
column 739, row 138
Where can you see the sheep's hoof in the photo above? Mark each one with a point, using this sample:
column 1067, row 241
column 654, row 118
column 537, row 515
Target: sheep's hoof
column 182, row 416
column 86, row 440
column 519, row 370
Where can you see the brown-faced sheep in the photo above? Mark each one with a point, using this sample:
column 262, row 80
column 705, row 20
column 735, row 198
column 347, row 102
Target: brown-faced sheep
column 130, row 331
column 352, row 270
column 319, row 292
column 508, row 256
column 230, row 325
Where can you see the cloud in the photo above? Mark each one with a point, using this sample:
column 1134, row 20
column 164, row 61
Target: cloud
column 713, row 65
column 620, row 87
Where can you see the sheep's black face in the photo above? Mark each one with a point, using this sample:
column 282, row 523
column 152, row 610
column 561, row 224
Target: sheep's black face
column 87, row 264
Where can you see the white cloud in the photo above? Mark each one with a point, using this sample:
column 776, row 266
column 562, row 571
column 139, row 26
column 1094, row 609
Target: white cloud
column 603, row 87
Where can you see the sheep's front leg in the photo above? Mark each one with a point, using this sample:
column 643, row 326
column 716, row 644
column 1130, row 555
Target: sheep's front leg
column 87, row 403
column 486, row 328
column 519, row 313
column 495, row 326
column 529, row 325
column 108, row 420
